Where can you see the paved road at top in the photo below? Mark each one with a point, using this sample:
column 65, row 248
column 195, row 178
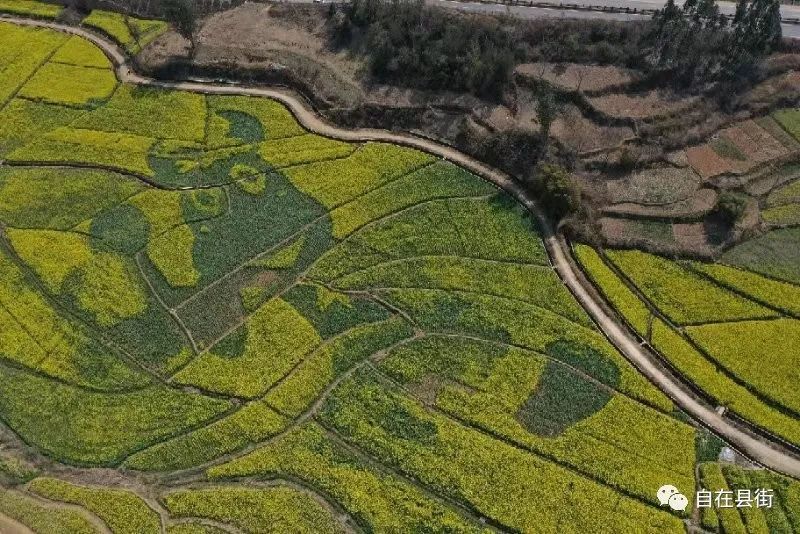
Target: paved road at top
column 787, row 11
column 769, row 453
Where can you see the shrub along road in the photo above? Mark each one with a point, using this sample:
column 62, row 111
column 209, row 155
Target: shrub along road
column 768, row 452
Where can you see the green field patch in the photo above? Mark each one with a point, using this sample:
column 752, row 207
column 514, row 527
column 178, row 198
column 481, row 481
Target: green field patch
column 785, row 510
column 22, row 51
column 332, row 312
column 724, row 391
column 787, row 194
column 72, row 85
column 284, row 258
column 132, row 33
column 251, row 227
column 339, row 181
column 30, row 8
column 253, row 423
column 22, row 121
column 123, row 511
column 522, row 324
column 440, row 180
column 729, row 518
column 303, row 149
column 277, row 339
column 494, row 388
column 35, row 335
column 242, row 127
column 298, row 392
column 561, row 400
column 180, row 168
column 275, row 119
column 106, row 284
column 216, row 309
column 776, row 253
column 763, row 354
column 114, row 151
column 193, row 527
column 789, row 119
column 681, row 294
column 377, row 501
column 788, row 214
column 133, row 110
column 618, row 294
column 256, row 510
column 90, row 428
column 80, row 52
column 778, row 294
column 432, row 448
column 59, row 198
column 40, row 518
column 492, row 229
column 535, row 284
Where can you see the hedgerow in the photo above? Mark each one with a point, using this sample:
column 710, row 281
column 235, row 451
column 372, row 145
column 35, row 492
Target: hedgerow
column 83, row 427
column 278, row 337
column 763, row 354
column 256, row 510
column 22, row 120
column 276, row 120
column 40, row 518
column 618, row 294
column 36, row 336
column 775, row 293
column 293, row 396
column 31, row 8
column 682, row 295
column 116, row 151
column 37, row 43
column 460, row 463
column 528, row 326
column 80, row 52
column 535, row 284
column 123, row 511
column 181, row 115
column 492, row 229
column 379, row 502
column 503, row 390
column 125, row 29
column 336, row 182
column 302, row 149
column 729, row 518
column 440, row 180
column 58, row 83
column 59, row 198
column 719, row 387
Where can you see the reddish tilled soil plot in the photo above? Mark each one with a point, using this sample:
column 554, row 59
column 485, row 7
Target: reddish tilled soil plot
column 706, row 162
column 754, row 142
column 643, row 105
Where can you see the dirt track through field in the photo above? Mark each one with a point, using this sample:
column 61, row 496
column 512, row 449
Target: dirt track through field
column 771, row 453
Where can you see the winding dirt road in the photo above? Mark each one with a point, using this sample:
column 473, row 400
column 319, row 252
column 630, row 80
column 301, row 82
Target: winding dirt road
column 770, row 453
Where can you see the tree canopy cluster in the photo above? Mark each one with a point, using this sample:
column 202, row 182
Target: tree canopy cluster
column 697, row 43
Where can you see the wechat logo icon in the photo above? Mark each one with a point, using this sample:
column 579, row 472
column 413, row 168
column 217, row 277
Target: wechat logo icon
column 670, row 495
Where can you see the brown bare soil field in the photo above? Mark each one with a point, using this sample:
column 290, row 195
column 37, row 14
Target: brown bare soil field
column 573, row 77
column 654, row 103
column 655, row 186
column 707, row 162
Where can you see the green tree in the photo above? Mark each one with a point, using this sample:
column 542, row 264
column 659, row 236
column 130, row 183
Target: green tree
column 183, row 17
column 547, row 110
column 555, row 190
column 731, row 207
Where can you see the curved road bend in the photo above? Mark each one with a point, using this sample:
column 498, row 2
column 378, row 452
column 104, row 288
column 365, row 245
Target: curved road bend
column 772, row 454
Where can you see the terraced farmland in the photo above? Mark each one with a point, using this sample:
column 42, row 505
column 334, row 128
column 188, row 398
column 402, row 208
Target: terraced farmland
column 731, row 332
column 224, row 294
column 221, row 322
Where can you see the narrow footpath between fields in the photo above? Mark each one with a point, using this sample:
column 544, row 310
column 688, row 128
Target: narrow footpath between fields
column 767, row 452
